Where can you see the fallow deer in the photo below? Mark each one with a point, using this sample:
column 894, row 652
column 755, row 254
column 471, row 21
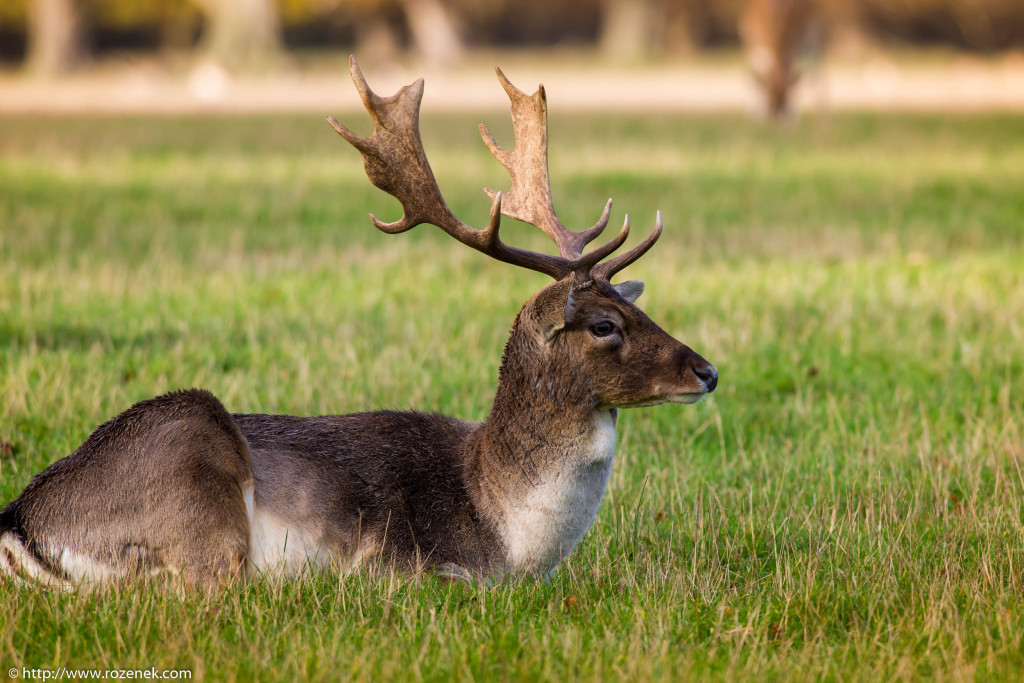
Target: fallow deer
column 177, row 484
column 773, row 33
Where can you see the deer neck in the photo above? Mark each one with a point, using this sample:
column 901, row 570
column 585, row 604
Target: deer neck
column 546, row 453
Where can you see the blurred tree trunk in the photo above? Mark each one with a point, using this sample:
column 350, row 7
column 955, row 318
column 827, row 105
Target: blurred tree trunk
column 629, row 28
column 56, row 36
column 377, row 41
column 685, row 27
column 434, row 31
column 179, row 24
column 241, row 35
column 846, row 27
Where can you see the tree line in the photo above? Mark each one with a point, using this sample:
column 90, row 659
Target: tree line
column 54, row 36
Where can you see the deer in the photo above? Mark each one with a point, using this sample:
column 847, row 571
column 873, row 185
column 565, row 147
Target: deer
column 177, row 486
column 773, row 32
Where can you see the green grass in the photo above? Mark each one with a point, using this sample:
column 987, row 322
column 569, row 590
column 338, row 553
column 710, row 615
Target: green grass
column 848, row 505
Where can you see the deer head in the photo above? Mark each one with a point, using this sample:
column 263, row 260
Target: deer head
column 582, row 329
column 615, row 354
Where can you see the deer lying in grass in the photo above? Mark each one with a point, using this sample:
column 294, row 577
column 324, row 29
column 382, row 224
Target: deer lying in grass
column 177, row 484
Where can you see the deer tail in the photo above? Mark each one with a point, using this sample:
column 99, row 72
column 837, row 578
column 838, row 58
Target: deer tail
column 19, row 560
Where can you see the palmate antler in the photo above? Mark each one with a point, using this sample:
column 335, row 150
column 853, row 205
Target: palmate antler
column 396, row 163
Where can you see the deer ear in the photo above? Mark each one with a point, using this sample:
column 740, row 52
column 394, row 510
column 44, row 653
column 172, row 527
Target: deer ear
column 556, row 323
column 569, row 311
column 544, row 315
column 630, row 290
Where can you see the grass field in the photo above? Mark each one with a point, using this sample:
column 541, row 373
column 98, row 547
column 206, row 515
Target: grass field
column 849, row 504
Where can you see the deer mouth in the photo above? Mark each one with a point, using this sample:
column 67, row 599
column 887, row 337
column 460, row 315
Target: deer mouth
column 687, row 398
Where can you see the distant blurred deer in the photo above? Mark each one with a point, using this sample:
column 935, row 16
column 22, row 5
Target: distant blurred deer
column 773, row 33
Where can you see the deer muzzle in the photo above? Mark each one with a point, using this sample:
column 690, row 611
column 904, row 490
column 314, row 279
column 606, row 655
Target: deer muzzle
column 696, row 376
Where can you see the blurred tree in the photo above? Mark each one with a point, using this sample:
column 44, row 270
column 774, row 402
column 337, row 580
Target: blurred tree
column 685, row 26
column 378, row 27
column 56, row 36
column 844, row 21
column 241, row 35
column 378, row 39
column 434, row 30
column 431, row 27
column 976, row 24
column 540, row 22
column 629, row 28
column 178, row 26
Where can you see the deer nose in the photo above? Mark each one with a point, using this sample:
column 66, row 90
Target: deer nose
column 707, row 374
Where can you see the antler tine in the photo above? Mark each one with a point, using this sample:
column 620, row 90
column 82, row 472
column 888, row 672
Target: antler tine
column 609, row 268
column 590, row 234
column 364, row 146
column 492, row 246
column 529, row 198
column 393, row 155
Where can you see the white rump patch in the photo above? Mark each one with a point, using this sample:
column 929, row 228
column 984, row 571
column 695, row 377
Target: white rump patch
column 18, row 563
column 249, row 493
column 84, row 569
column 275, row 546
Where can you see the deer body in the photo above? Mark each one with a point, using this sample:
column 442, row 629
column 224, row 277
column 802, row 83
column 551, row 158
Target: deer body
column 378, row 485
column 177, row 484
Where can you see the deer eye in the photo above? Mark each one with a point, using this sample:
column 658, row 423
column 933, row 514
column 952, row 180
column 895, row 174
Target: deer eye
column 602, row 329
